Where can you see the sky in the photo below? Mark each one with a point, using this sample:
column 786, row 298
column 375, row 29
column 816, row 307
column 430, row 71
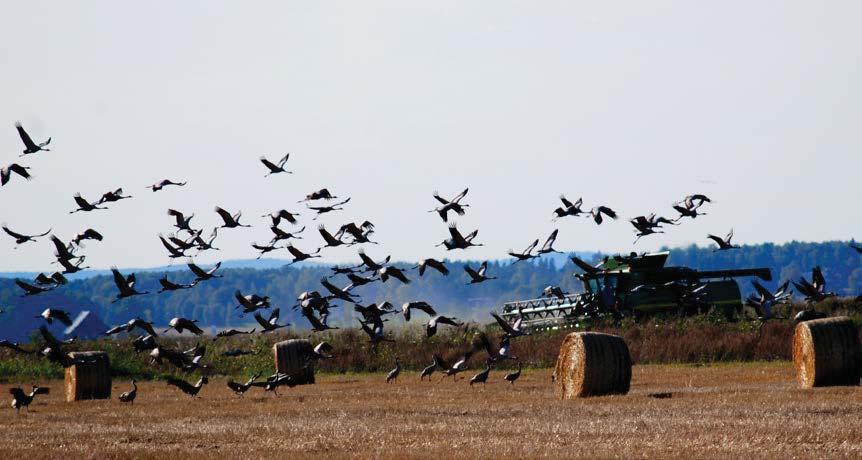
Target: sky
column 633, row 105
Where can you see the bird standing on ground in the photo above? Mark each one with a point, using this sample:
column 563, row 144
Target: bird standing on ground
column 481, row 377
column 129, row 396
column 21, row 399
column 393, row 374
column 512, row 376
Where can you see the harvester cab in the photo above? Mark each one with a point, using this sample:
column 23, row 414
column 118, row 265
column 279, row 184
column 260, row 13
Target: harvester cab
column 638, row 286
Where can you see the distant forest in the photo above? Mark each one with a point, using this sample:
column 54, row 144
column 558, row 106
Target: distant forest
column 212, row 302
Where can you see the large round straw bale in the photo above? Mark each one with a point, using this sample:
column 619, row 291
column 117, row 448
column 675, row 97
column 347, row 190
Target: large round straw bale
column 826, row 352
column 593, row 364
column 89, row 377
column 293, row 357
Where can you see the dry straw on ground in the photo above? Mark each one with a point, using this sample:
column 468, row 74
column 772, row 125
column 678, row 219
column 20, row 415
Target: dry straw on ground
column 826, row 352
column 593, row 364
column 292, row 358
column 89, row 377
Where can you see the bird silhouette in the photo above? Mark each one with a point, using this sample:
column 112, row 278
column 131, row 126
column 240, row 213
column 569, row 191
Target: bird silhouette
column 20, row 238
column 164, row 183
column 6, row 172
column 29, row 145
column 275, row 168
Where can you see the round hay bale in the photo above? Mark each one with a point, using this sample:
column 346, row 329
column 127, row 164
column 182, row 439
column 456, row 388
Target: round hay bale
column 89, row 377
column 292, row 357
column 593, row 364
column 826, row 352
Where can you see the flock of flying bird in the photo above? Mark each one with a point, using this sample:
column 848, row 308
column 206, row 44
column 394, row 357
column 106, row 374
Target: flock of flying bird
column 315, row 306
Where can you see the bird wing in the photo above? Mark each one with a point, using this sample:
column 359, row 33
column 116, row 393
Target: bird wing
column 119, row 279
column 273, row 317
column 12, row 234
column 456, row 235
column 168, row 246
column 261, row 321
column 531, row 247
column 729, row 236
column 460, row 196
column 92, row 234
column 423, row 306
column 473, row 273
column 225, row 216
column 272, row 167
column 503, row 324
column 196, row 270
column 49, row 338
column 82, row 203
column 17, row 393
column 284, row 159
column 28, row 287
column 442, row 200
column 437, row 265
column 761, row 290
column 549, row 243
column 566, row 202
column 817, row 278
column 186, row 387
column 720, row 242
column 25, row 137
column 441, row 363
column 606, row 211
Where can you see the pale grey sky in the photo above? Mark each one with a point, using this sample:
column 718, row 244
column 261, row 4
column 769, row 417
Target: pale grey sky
column 629, row 104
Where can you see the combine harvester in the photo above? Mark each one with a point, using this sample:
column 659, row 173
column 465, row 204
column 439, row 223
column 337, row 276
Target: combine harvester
column 638, row 286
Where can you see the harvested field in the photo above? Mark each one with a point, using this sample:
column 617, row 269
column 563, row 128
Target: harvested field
column 727, row 410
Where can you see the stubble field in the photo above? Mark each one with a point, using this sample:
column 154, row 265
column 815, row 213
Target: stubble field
column 729, row 410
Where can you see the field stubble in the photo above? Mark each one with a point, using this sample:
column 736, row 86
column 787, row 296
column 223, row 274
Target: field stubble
column 727, row 410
